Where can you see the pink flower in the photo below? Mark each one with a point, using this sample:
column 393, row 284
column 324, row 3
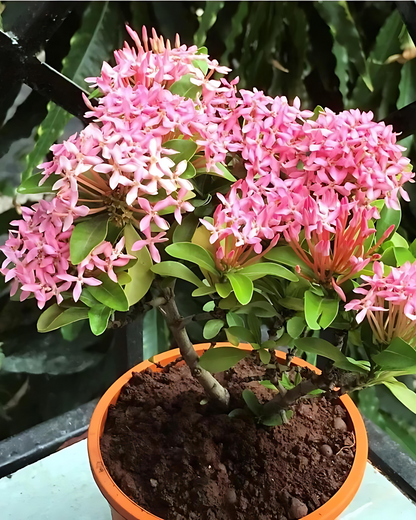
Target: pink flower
column 150, row 242
column 79, row 280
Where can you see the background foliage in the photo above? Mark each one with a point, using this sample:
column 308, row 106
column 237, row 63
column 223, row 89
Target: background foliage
column 336, row 54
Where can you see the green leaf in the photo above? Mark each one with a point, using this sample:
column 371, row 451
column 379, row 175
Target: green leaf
column 412, row 248
column 186, row 149
column 402, row 393
column 71, row 331
column 252, row 402
column 388, row 217
column 156, row 334
column 386, row 44
column 313, row 309
column 92, row 44
column 286, row 382
column 221, row 358
column 209, row 306
column 31, row 184
column 99, row 316
column 295, row 326
column 123, row 278
column 110, row 293
column 206, row 21
column 403, row 255
column 242, row 334
column 193, row 253
column 286, row 256
column 86, row 236
column 237, row 28
column 324, row 348
column 204, row 290
column 329, row 309
column 254, row 326
column 201, row 64
column 212, row 328
column 234, row 320
column 242, row 287
column 263, row 309
column 397, row 356
column 140, row 273
column 87, row 298
column 185, row 231
column 185, row 88
column 256, row 271
column 268, row 384
column 224, row 289
column 345, row 33
column 177, row 270
column 285, row 341
column 56, row 317
column 265, row 356
column 294, row 304
column 407, row 95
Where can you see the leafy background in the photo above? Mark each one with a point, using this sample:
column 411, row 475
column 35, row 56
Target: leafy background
column 336, row 54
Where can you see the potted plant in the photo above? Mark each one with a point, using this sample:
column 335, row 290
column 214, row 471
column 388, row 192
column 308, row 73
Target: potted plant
column 284, row 221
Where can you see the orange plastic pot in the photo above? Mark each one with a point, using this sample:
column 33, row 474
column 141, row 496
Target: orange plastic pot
column 123, row 508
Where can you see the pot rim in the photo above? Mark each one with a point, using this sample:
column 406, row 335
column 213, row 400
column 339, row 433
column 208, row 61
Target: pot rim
column 131, row 511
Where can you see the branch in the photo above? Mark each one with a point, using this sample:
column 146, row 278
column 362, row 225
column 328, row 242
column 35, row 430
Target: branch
column 214, row 390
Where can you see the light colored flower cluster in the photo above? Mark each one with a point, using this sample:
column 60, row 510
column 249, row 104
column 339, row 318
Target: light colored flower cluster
column 389, row 303
column 39, row 253
column 313, row 180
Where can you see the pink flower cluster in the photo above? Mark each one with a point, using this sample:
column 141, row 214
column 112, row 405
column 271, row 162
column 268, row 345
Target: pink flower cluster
column 389, row 303
column 39, row 254
column 313, row 181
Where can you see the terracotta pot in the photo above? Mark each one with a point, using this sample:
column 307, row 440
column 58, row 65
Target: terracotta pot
column 123, row 508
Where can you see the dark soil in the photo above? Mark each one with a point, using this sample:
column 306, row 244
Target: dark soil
column 176, row 458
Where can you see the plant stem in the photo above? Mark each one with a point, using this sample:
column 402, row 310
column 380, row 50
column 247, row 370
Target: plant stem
column 213, row 389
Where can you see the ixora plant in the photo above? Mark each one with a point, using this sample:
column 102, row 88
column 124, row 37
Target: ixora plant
column 283, row 219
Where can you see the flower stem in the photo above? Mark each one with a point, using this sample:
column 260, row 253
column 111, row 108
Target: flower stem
column 213, row 389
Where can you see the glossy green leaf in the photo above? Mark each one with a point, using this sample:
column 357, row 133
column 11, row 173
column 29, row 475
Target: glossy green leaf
column 221, row 358
column 156, row 333
column 324, row 348
column 403, row 255
column 201, row 64
column 185, row 88
column 140, row 273
column 313, row 309
column 186, row 149
column 263, row 309
column 110, row 294
column 294, row 304
column 286, row 256
column 265, row 356
column 242, row 287
column 31, row 184
column 224, row 289
column 242, row 334
column 234, row 320
column 254, row 325
column 176, row 270
column 345, row 33
column 388, row 217
column 237, row 28
column 99, row 316
column 86, row 236
column 212, row 328
column 403, row 394
column 295, row 326
column 386, row 44
column 71, row 331
column 252, row 402
column 185, row 231
column 268, row 384
column 92, row 44
column 209, row 306
column 206, row 21
column 329, row 309
column 398, row 355
column 193, row 253
column 56, row 317
column 285, row 341
column 204, row 290
column 87, row 298
column 256, row 271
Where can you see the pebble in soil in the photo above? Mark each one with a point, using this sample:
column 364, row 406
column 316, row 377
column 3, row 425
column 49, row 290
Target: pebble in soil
column 179, row 460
